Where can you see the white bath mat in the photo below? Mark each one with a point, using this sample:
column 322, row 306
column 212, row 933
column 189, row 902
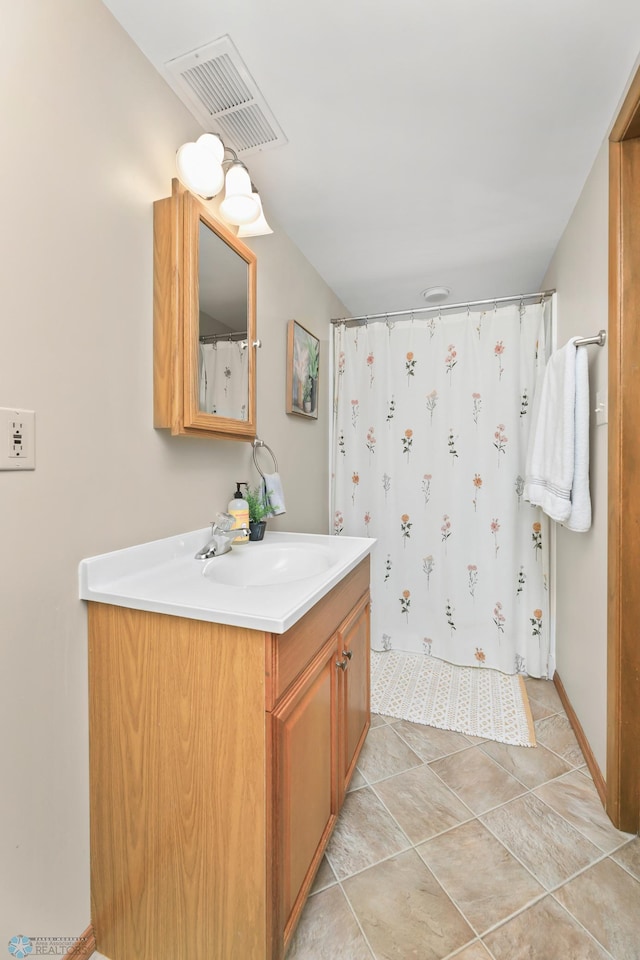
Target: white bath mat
column 473, row 700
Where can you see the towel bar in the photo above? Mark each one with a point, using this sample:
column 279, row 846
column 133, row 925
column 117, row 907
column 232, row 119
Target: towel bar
column 600, row 339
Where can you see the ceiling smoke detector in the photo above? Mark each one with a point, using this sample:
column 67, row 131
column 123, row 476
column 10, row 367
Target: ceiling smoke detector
column 435, row 294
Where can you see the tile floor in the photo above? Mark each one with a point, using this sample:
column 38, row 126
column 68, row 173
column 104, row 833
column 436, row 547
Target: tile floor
column 449, row 846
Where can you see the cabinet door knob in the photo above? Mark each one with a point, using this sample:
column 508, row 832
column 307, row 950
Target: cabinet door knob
column 343, row 664
column 257, row 343
column 347, row 653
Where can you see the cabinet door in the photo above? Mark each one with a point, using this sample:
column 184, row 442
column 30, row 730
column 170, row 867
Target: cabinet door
column 304, row 796
column 204, row 283
column 355, row 715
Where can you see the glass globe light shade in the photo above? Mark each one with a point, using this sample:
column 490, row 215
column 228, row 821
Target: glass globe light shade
column 239, row 205
column 199, row 165
column 258, row 227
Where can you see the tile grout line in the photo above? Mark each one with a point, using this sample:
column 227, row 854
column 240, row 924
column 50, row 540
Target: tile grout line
column 357, row 919
column 577, row 828
column 582, row 927
column 479, row 938
column 469, row 819
column 603, row 855
column 622, row 865
column 413, row 847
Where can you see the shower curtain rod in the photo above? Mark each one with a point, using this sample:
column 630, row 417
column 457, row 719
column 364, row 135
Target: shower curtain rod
column 445, row 306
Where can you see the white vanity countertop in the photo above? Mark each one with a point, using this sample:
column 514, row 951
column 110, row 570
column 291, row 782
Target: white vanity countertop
column 164, row 577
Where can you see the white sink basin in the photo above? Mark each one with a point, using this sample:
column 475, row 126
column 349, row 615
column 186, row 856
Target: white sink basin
column 266, row 585
column 264, row 564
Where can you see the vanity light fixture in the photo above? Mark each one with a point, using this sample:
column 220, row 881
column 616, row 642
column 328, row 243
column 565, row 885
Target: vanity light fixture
column 239, row 205
column 201, row 169
column 259, row 227
column 199, row 165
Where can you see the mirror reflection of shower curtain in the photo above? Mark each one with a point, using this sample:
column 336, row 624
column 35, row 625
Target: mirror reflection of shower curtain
column 224, row 380
column 431, row 421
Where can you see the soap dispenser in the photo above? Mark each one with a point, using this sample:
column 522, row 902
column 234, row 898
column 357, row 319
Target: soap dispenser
column 239, row 510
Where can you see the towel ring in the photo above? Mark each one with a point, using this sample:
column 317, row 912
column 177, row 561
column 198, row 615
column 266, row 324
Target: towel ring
column 260, row 443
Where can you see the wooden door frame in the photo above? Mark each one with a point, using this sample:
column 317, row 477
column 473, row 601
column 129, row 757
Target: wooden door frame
column 623, row 605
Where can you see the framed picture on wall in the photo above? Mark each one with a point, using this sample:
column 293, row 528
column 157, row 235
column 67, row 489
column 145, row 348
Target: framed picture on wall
column 303, row 366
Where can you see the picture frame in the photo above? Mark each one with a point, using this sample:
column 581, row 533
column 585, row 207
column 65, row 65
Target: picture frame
column 303, row 371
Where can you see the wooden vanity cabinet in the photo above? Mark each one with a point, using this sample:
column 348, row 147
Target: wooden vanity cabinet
column 219, row 759
column 355, row 689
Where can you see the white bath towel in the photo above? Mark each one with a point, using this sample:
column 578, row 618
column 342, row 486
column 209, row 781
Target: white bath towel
column 579, row 519
column 557, row 471
column 274, row 494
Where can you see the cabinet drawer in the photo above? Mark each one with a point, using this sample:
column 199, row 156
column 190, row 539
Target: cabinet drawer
column 287, row 654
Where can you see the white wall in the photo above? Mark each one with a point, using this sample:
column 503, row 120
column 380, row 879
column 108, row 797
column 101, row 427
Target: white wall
column 579, row 271
column 89, row 136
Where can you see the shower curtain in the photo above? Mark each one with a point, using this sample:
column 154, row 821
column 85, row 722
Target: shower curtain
column 224, row 384
column 430, row 425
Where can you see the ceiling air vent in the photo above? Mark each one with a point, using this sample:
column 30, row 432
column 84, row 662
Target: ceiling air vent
column 214, row 83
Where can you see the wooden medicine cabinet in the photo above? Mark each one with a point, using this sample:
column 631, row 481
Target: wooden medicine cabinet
column 204, row 323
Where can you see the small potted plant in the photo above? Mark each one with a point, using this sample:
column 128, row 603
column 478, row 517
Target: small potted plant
column 258, row 510
column 306, row 395
column 312, row 368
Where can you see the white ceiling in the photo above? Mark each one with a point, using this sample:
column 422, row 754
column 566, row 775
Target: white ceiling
column 429, row 141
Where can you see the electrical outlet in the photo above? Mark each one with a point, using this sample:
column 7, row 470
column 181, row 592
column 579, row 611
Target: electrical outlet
column 17, row 439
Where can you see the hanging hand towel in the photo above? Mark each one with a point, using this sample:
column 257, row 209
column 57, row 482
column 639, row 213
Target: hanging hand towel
column 273, row 494
column 580, row 517
column 557, row 472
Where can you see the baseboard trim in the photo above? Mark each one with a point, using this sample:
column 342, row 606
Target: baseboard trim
column 84, row 946
column 576, row 726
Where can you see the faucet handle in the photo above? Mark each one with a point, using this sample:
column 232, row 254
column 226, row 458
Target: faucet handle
column 223, row 522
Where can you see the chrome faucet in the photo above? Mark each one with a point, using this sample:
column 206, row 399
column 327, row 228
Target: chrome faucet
column 222, row 536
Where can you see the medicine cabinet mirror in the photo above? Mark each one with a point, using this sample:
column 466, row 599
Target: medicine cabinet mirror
column 204, row 323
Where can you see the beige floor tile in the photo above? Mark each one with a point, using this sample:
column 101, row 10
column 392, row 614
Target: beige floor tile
column 325, row 877
column 533, row 766
column 357, row 781
column 487, row 892
column 606, row 900
column 328, row 930
column 543, row 932
column 477, row 779
column 475, row 951
column 377, row 720
column 364, row 834
column 384, row 754
column 541, row 839
column 404, row 912
column 473, row 740
column 544, row 691
column 421, row 803
column 576, row 799
column 629, row 857
column 430, row 743
column 585, row 772
column 556, row 734
column 539, row 711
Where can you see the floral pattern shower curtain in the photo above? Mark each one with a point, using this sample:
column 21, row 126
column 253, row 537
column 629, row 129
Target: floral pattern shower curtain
column 224, row 382
column 431, row 421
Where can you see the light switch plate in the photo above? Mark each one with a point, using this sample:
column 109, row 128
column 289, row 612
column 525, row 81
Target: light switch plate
column 17, row 439
column 602, row 408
